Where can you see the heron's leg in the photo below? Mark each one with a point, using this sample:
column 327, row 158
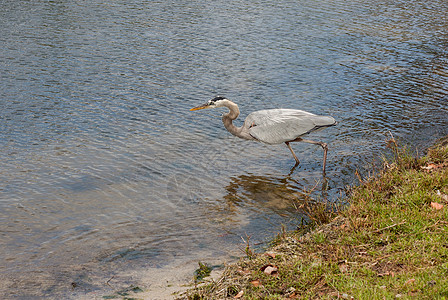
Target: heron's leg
column 323, row 145
column 293, row 154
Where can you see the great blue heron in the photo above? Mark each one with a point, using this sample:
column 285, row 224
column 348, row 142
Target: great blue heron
column 273, row 126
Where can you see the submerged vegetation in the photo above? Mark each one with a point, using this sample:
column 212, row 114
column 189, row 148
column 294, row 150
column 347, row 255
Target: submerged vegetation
column 391, row 241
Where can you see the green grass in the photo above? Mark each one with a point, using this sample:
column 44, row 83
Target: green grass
column 389, row 242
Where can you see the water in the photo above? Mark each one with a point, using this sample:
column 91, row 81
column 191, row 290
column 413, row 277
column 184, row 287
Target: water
column 103, row 168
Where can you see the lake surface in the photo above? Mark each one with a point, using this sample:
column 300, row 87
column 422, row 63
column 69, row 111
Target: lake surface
column 104, row 170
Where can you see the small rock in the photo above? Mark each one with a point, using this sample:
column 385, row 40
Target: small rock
column 270, row 270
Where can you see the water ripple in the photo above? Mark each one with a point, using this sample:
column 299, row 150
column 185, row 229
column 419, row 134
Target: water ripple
column 99, row 150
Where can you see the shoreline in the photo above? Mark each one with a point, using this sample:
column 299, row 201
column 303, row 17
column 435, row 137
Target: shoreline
column 366, row 249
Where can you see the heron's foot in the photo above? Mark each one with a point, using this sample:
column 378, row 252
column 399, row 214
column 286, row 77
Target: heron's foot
column 324, row 183
column 293, row 154
column 322, row 144
column 293, row 169
column 325, row 147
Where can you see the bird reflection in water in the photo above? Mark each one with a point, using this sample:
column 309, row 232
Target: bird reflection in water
column 277, row 194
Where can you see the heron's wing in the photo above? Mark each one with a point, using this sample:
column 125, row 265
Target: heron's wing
column 275, row 126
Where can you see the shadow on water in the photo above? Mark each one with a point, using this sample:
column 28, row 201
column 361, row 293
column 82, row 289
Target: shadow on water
column 271, row 193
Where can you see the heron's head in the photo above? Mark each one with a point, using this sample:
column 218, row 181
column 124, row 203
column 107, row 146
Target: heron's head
column 215, row 102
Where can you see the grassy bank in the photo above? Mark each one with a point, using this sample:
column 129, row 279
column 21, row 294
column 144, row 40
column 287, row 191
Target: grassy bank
column 391, row 241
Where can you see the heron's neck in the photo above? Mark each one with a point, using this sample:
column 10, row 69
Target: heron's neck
column 227, row 119
column 234, row 111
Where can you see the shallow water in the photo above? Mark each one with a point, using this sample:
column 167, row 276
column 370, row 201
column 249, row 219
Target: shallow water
column 104, row 169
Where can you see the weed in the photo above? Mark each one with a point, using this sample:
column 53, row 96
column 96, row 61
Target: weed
column 247, row 249
column 203, row 271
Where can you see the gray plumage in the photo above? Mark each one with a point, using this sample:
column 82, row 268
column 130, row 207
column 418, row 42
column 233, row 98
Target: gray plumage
column 273, row 126
column 276, row 126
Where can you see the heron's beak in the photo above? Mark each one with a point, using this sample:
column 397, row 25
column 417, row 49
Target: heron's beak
column 206, row 105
